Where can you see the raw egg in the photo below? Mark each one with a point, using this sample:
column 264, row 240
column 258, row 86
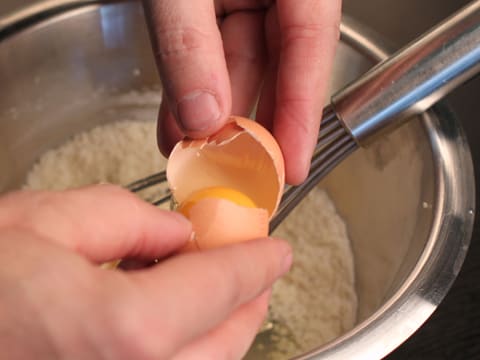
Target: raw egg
column 229, row 185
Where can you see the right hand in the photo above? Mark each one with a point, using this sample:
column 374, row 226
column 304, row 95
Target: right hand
column 216, row 56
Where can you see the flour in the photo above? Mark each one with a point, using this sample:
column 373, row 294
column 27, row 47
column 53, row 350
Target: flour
column 117, row 153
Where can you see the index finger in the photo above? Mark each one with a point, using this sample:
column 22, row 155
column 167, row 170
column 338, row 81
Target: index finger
column 101, row 222
column 309, row 34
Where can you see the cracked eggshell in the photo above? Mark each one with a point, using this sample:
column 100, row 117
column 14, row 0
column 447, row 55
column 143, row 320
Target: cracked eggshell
column 218, row 222
column 243, row 156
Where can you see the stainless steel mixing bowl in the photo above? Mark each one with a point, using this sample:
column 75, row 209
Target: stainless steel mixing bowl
column 408, row 200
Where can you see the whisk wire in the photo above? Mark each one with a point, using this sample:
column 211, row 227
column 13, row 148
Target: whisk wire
column 149, row 181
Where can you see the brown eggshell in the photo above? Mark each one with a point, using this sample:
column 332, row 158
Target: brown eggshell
column 242, row 155
column 218, row 222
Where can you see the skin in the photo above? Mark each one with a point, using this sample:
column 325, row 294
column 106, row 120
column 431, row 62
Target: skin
column 57, row 303
column 216, row 57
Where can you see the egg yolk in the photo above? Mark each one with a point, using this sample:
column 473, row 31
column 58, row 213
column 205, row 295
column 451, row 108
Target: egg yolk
column 218, row 192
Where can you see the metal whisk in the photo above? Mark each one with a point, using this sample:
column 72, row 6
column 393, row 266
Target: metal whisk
column 403, row 85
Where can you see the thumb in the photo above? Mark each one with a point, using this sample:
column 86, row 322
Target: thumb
column 189, row 54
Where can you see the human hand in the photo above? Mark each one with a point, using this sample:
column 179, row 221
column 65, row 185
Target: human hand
column 56, row 303
column 282, row 50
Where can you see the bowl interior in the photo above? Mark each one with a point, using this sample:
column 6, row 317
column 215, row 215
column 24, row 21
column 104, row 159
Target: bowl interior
column 65, row 75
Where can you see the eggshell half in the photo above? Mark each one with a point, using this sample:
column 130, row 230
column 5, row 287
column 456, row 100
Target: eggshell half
column 243, row 156
column 218, row 222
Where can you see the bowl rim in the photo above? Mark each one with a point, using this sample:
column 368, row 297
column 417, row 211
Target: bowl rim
column 441, row 260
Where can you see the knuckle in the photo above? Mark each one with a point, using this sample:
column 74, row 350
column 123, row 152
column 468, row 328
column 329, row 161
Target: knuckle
column 175, row 42
column 311, row 33
column 294, row 112
column 233, row 57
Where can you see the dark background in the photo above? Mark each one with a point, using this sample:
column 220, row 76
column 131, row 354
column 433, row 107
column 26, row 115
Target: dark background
column 453, row 331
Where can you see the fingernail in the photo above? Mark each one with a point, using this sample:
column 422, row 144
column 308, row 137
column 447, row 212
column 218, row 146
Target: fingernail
column 198, row 111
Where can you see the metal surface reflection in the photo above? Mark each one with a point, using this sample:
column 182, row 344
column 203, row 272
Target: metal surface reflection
column 415, row 78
